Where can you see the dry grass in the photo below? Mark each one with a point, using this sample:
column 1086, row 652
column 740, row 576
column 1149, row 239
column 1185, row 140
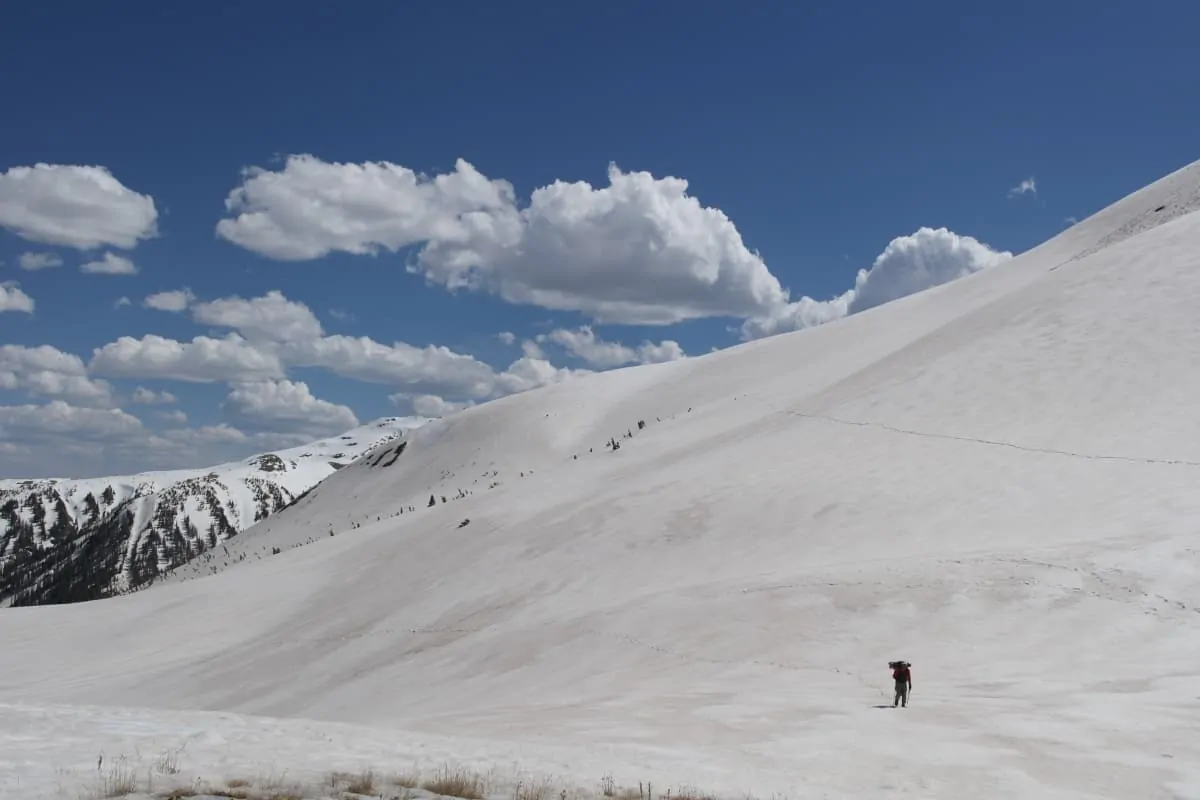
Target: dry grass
column 407, row 780
column 688, row 793
column 538, row 789
column 236, row 793
column 449, row 780
column 119, row 781
column 457, row 782
column 168, row 762
column 362, row 783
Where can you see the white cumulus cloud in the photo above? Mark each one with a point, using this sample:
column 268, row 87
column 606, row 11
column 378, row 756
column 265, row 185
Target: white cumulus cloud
column 37, row 423
column 202, row 360
column 586, row 346
column 74, row 206
column 173, row 301
column 13, row 299
column 174, row 417
column 528, row 373
column 31, row 262
column 274, row 333
column 311, row 208
column 909, row 264
column 286, row 405
column 148, row 397
column 429, row 405
column 927, row 258
column 270, row 318
column 640, row 250
column 46, row 371
column 431, row 369
column 109, row 264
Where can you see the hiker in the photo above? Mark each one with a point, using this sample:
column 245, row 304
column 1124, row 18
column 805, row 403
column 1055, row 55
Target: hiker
column 902, row 674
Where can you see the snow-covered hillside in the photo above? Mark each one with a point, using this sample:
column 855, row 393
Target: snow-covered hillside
column 995, row 479
column 65, row 540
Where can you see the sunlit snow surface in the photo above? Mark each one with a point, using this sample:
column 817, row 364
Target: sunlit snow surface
column 997, row 480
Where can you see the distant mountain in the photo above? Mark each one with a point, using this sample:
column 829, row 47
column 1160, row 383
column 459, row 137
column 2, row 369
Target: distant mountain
column 68, row 540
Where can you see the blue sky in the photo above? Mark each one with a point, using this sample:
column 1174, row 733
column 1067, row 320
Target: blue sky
column 810, row 138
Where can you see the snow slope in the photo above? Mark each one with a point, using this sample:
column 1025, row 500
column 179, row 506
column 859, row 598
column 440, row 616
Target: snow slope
column 63, row 540
column 994, row 479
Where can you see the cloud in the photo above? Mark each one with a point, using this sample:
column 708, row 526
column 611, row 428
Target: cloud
column 173, row 301
column 638, row 251
column 57, row 419
column 110, row 264
column 38, row 439
column 274, row 333
column 270, row 318
column 148, row 397
column 506, row 338
column 584, row 345
column 532, row 350
column 927, row 258
column 431, row 369
column 803, row 313
column 174, row 417
column 46, row 371
column 1071, row 221
column 122, row 302
column 13, row 299
column 291, row 332
column 35, row 261
column 203, row 360
column 287, row 406
column 225, row 439
column 74, row 206
column 528, row 373
column 428, row 405
column 311, row 208
column 341, row 315
column 1027, row 186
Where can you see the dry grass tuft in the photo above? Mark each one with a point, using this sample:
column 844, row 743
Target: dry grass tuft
column 688, row 793
column 449, row 780
column 457, row 782
column 362, row 783
column 407, row 780
column 168, row 762
column 118, row 782
column 539, row 789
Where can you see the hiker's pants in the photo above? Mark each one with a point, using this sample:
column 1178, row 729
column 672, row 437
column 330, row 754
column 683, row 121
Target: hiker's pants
column 901, row 693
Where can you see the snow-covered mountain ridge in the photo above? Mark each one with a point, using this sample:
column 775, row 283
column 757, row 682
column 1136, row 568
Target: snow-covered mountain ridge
column 67, row 540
